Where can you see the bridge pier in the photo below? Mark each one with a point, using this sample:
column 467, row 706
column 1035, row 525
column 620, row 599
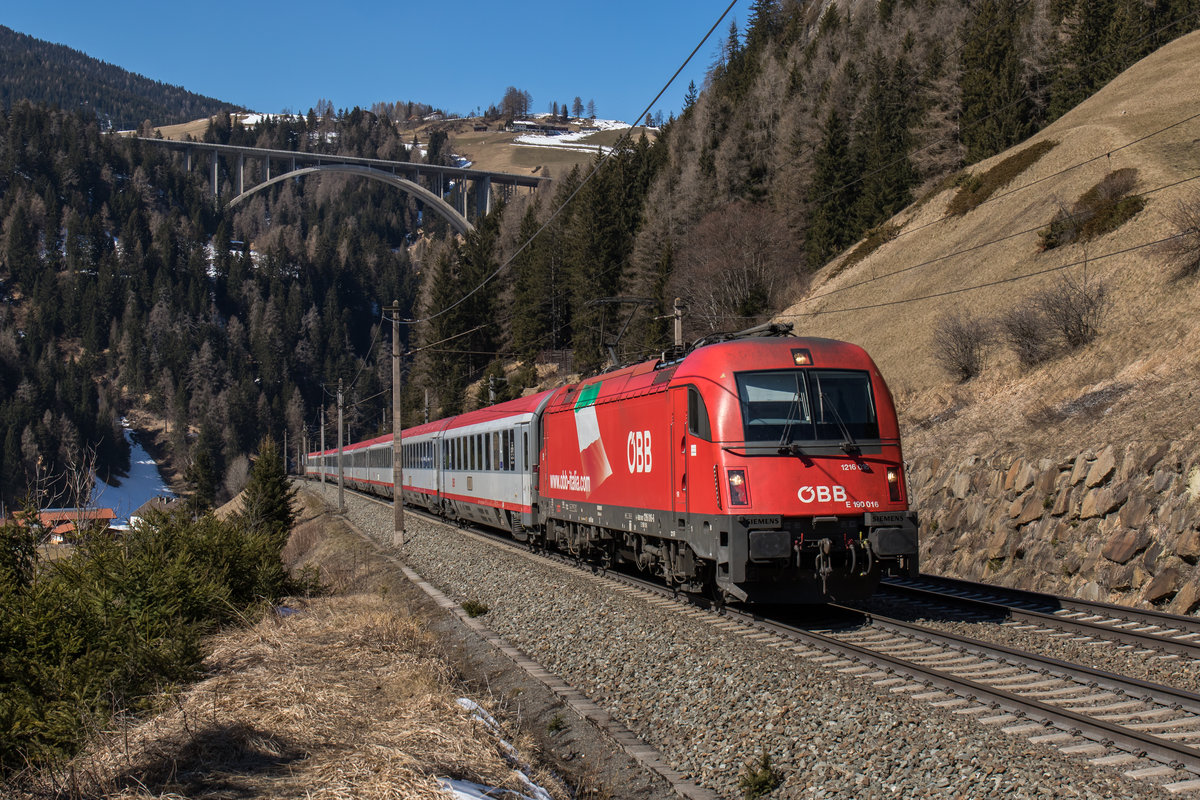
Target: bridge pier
column 216, row 187
column 241, row 184
column 483, row 197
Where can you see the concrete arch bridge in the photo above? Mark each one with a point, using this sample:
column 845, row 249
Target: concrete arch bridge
column 429, row 183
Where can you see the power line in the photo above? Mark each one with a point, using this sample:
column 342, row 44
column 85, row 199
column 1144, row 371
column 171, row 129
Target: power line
column 599, row 163
column 998, row 282
column 972, row 248
column 1029, row 95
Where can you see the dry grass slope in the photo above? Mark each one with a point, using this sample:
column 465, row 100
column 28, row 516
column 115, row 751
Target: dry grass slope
column 891, row 300
column 351, row 697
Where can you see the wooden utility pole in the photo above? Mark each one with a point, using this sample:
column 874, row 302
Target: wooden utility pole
column 341, row 472
column 322, row 443
column 397, row 439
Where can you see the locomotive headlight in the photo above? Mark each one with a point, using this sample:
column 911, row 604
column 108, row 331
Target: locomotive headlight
column 802, row 357
column 739, row 489
column 893, row 478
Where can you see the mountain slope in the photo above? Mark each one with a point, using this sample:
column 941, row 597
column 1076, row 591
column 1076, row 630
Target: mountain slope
column 1080, row 474
column 52, row 74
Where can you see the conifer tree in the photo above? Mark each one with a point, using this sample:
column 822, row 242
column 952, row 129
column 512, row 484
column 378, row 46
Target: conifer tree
column 882, row 145
column 997, row 107
column 832, row 194
column 267, row 498
column 533, row 288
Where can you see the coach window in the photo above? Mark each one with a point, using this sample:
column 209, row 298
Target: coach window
column 487, row 452
column 698, row 424
column 496, row 462
column 525, row 442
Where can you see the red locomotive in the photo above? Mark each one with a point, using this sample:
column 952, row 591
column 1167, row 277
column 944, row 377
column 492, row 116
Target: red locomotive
column 760, row 468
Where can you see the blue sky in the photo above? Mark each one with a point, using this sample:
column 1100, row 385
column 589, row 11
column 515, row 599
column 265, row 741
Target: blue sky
column 458, row 55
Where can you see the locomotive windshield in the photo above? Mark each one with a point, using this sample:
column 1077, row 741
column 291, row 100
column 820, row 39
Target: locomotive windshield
column 785, row 406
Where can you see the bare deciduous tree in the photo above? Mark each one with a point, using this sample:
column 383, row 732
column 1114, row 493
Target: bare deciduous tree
column 959, row 344
column 736, row 268
column 1027, row 331
column 1074, row 308
column 1183, row 249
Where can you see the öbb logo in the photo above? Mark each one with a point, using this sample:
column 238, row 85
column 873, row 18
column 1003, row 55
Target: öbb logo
column 822, row 494
column 637, row 451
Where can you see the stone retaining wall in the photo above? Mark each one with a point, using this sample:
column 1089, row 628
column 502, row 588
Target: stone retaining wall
column 1120, row 525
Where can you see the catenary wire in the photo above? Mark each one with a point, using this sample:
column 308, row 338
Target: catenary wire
column 599, row 163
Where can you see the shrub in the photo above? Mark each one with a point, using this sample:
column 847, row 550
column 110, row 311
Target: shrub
column 759, row 777
column 875, row 238
column 1100, row 210
column 99, row 631
column 974, row 189
column 959, row 344
column 1027, row 331
column 474, row 608
column 1074, row 308
column 1183, row 249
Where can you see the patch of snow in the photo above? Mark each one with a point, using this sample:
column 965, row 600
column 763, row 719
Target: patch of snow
column 573, row 141
column 466, row 790
column 606, row 124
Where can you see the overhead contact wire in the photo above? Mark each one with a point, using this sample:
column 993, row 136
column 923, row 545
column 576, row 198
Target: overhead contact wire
column 599, row 163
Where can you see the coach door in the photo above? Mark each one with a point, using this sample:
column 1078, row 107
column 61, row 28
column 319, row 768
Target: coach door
column 521, row 464
column 679, row 458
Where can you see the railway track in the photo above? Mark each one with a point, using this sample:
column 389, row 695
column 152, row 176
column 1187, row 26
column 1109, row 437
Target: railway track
column 1146, row 630
column 1150, row 731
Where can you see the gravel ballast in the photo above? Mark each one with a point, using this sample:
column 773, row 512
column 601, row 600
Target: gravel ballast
column 712, row 702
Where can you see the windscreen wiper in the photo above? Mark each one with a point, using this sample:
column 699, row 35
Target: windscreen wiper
column 849, row 446
column 787, row 423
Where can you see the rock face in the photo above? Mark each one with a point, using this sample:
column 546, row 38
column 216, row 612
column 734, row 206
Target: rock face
column 1118, row 522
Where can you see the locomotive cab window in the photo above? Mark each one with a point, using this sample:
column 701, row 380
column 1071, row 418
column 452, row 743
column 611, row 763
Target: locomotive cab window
column 784, row 406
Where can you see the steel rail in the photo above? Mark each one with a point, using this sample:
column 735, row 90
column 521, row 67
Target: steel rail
column 1176, row 634
column 1149, row 692
column 1138, row 743
column 1142, row 639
